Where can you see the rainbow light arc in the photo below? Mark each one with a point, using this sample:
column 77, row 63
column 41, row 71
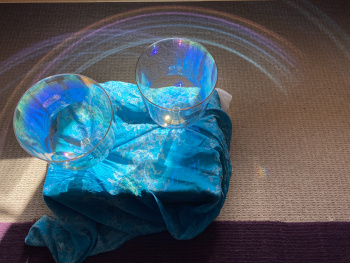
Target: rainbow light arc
column 270, row 53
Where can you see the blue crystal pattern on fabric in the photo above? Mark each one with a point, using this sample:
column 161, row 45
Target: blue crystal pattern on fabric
column 155, row 179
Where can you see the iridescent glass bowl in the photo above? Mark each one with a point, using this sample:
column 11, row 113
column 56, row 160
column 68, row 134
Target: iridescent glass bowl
column 66, row 120
column 176, row 78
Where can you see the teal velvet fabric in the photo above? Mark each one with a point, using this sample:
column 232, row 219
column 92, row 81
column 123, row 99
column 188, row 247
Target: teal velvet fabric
column 155, row 179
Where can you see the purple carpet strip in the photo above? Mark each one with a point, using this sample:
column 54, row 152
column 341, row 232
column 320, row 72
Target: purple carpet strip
column 220, row 242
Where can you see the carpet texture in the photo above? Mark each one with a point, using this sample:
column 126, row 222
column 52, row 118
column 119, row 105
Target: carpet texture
column 286, row 65
column 223, row 241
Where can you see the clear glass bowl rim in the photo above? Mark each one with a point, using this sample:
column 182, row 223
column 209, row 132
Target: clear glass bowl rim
column 168, row 39
column 84, row 154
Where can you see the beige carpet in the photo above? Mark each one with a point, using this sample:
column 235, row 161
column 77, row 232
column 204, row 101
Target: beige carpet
column 290, row 110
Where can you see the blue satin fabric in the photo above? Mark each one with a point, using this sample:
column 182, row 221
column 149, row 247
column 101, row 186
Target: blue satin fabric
column 155, row 179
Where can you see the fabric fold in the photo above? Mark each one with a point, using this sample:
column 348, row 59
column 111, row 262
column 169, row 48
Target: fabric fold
column 155, row 179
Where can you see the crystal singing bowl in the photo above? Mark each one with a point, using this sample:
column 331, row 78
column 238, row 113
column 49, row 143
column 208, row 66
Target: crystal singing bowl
column 176, row 78
column 66, row 120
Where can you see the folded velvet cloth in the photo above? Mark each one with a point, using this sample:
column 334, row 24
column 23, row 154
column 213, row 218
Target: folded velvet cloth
column 155, row 179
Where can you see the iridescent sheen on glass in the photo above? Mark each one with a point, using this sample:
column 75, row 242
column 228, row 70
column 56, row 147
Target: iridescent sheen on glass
column 176, row 78
column 66, row 120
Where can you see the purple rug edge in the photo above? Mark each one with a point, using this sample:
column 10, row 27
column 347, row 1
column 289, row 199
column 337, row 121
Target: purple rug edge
column 222, row 241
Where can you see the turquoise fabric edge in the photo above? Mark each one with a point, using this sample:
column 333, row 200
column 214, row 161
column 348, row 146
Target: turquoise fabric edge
column 154, row 180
